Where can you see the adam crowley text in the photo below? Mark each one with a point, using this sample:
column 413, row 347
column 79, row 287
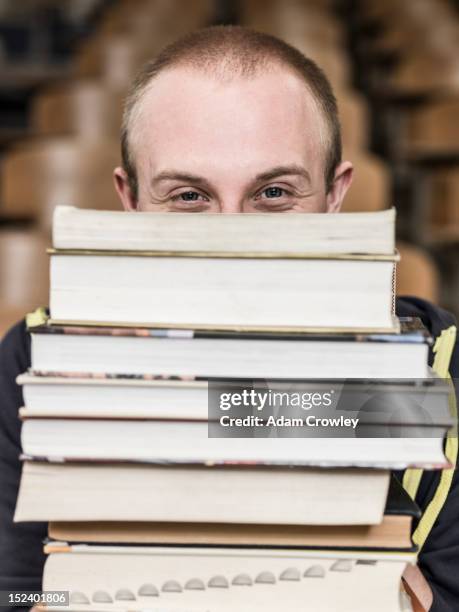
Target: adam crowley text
column 283, row 421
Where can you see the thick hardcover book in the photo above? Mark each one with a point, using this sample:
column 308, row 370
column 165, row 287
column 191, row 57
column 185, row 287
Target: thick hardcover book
column 411, row 330
column 232, row 494
column 252, row 272
column 392, row 533
column 222, row 579
column 106, row 230
column 375, row 402
column 248, row 291
column 399, row 503
column 403, row 418
column 208, row 353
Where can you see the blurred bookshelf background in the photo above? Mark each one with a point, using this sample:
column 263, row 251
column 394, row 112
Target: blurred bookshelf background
column 65, row 66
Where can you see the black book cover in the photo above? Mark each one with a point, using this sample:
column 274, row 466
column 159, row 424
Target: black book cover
column 399, row 502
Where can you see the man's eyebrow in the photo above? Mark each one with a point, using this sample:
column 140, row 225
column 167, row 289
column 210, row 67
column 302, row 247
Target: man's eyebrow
column 171, row 175
column 278, row 171
column 268, row 175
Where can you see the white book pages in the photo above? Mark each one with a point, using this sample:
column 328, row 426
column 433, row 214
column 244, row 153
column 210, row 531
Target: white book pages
column 74, row 492
column 227, row 358
column 223, row 292
column 214, row 580
column 372, row 233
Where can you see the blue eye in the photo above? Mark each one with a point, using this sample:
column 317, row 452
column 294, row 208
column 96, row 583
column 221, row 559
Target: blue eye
column 273, row 192
column 189, row 196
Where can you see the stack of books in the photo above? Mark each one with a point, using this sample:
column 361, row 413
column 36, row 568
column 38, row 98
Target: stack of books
column 147, row 509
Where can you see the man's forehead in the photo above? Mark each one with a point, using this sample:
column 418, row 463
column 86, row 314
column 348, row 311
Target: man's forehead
column 184, row 98
column 274, row 75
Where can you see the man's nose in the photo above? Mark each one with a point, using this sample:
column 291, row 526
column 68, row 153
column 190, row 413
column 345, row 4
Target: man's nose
column 230, row 206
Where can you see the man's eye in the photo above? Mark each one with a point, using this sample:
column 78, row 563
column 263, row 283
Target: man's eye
column 189, row 196
column 272, row 193
column 189, row 201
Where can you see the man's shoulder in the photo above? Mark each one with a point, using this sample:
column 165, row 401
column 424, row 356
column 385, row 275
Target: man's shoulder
column 15, row 349
column 432, row 316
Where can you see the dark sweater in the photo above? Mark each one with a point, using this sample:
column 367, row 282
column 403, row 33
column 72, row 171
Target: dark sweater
column 21, row 554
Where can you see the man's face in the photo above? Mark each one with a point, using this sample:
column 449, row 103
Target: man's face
column 257, row 144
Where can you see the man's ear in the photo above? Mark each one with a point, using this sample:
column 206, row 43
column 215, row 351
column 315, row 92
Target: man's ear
column 341, row 183
column 123, row 190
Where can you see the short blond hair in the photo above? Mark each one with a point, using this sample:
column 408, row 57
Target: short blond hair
column 234, row 51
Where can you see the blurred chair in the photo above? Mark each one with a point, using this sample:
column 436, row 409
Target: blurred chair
column 354, row 119
column 333, row 61
column 133, row 33
column 424, row 35
column 433, row 129
column 393, row 13
column 36, row 177
column 426, row 73
column 287, row 18
column 417, row 273
column 136, row 15
column 444, row 204
column 374, row 9
column 113, row 59
column 309, row 27
column 371, row 185
column 117, row 17
column 24, row 272
column 404, row 35
column 84, row 108
column 121, row 59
